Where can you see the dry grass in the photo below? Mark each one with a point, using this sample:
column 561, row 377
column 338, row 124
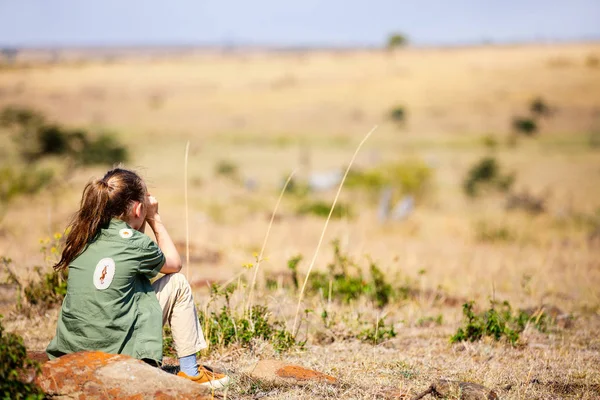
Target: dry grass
column 269, row 113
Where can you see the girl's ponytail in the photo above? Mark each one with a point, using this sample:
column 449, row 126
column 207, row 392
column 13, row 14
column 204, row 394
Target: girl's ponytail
column 102, row 200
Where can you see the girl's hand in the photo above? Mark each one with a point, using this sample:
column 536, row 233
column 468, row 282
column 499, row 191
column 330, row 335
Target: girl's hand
column 152, row 207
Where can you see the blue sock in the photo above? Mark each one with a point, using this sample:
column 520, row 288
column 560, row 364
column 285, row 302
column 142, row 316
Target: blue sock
column 189, row 365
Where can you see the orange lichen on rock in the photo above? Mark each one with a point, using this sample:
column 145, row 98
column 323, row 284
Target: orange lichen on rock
column 97, row 375
column 303, row 374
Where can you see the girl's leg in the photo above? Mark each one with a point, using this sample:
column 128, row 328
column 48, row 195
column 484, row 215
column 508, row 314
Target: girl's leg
column 179, row 311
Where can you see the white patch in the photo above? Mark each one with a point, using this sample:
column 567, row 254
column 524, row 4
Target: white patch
column 104, row 273
column 126, row 233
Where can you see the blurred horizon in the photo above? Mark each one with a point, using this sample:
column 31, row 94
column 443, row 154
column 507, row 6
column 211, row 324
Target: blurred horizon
column 309, row 24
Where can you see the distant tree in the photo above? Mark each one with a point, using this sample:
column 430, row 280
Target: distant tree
column 9, row 53
column 396, row 40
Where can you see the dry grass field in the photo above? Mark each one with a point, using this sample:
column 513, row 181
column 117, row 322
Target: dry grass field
column 267, row 113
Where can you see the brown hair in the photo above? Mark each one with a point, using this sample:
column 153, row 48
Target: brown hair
column 102, row 200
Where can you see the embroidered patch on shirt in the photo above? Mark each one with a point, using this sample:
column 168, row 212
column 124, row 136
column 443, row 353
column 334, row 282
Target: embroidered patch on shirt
column 126, row 233
column 104, row 273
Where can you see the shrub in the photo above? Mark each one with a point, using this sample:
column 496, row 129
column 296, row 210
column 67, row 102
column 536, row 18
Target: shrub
column 494, row 323
column 410, row 177
column 538, row 107
column 497, row 322
column 48, row 291
column 14, row 182
column 224, row 327
column 486, row 172
column 484, row 232
column 398, row 114
column 322, row 209
column 13, row 362
column 104, row 149
column 226, row 168
column 296, row 187
column 348, row 283
column 525, row 126
column 378, row 333
column 37, row 138
column 293, row 267
column 19, row 117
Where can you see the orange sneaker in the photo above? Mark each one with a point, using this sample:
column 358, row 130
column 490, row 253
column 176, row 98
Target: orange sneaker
column 207, row 377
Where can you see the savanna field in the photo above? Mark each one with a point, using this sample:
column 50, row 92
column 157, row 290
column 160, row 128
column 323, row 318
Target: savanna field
column 464, row 245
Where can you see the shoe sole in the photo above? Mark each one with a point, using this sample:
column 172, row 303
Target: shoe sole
column 217, row 383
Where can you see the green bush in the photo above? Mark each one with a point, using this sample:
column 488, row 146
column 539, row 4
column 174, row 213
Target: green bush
column 36, row 138
column 348, row 282
column 293, row 267
column 321, row 209
column 13, row 362
column 410, row 177
column 48, row 291
column 398, row 114
column 497, row 322
column 226, row 169
column 224, row 327
column 486, row 172
column 15, row 182
column 378, row 333
column 104, row 149
column 539, row 107
column 525, row 126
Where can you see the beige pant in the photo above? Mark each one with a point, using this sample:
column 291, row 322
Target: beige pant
column 179, row 311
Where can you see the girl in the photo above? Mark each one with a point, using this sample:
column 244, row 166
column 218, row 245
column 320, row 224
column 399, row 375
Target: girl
column 110, row 305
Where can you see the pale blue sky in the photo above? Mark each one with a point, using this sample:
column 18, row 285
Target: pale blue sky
column 300, row 23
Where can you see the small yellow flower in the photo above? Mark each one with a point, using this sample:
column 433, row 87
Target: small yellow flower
column 248, row 265
column 57, row 236
column 53, row 250
column 255, row 254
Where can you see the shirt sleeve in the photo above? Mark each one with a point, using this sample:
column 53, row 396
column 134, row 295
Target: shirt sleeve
column 150, row 259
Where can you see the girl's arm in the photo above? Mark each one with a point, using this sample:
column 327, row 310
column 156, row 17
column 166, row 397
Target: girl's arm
column 164, row 241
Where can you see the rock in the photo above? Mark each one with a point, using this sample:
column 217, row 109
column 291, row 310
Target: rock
column 97, row 375
column 275, row 370
column 458, row 390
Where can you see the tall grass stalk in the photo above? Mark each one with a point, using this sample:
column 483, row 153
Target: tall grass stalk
column 262, row 250
column 187, row 219
column 312, row 263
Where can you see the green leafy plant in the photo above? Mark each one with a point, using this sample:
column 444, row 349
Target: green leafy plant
column 225, row 327
column 13, row 363
column 497, row 322
column 292, row 265
column 348, row 283
column 381, row 291
column 48, row 289
column 378, row 332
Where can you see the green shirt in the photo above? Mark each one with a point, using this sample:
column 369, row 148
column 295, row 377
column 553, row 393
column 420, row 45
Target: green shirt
column 110, row 304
